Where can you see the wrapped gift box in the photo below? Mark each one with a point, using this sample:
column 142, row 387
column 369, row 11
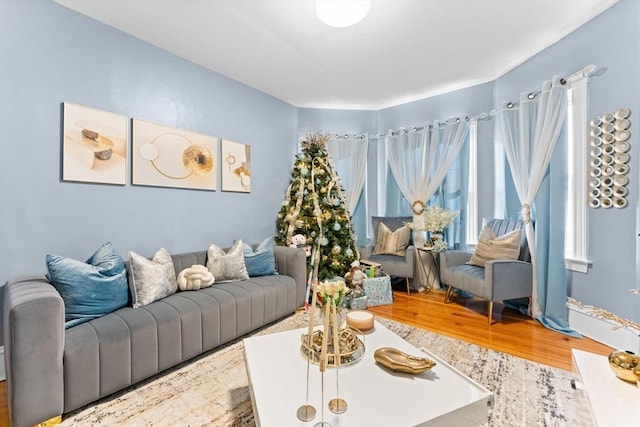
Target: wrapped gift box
column 378, row 291
column 359, row 303
column 371, row 268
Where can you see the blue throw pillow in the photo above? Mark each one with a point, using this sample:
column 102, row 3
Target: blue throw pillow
column 262, row 260
column 89, row 289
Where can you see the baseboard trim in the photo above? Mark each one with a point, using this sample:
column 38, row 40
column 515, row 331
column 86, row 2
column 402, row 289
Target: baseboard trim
column 608, row 332
column 2, row 373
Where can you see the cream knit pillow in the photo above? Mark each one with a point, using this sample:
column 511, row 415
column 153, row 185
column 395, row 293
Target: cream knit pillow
column 492, row 247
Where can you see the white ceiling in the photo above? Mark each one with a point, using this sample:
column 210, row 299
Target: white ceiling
column 402, row 51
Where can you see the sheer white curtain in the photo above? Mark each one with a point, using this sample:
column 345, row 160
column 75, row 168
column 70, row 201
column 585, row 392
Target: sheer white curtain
column 349, row 157
column 420, row 159
column 531, row 131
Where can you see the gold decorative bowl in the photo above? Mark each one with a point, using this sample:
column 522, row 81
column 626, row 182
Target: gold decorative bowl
column 399, row 361
column 626, row 365
column 351, row 347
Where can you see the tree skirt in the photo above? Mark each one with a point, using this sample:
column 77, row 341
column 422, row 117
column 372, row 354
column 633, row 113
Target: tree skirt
column 212, row 389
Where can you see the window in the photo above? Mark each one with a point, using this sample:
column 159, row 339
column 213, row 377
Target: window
column 472, row 198
column 576, row 225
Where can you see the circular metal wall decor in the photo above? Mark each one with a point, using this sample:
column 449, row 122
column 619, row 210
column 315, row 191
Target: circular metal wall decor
column 608, row 166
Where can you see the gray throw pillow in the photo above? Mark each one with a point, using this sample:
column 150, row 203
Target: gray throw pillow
column 152, row 279
column 229, row 266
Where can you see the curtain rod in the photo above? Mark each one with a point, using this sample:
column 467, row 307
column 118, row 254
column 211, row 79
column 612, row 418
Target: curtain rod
column 586, row 71
column 401, row 131
column 348, row 136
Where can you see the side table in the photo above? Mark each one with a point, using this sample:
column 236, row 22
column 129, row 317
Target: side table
column 429, row 270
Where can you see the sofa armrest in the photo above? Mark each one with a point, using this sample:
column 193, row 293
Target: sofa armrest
column 293, row 262
column 511, row 279
column 451, row 258
column 33, row 319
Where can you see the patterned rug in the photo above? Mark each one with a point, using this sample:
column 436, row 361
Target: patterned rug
column 212, row 389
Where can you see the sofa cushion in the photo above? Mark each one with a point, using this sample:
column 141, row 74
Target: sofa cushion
column 152, row 279
column 229, row 266
column 260, row 261
column 392, row 242
column 493, row 247
column 89, row 289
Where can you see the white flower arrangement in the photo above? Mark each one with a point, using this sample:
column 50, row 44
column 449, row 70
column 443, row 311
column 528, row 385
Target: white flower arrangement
column 439, row 245
column 436, row 219
column 332, row 291
column 433, row 218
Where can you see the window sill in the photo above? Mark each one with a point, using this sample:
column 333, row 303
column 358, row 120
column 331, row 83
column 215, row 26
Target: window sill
column 579, row 265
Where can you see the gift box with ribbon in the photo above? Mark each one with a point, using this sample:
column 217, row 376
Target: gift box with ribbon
column 378, row 291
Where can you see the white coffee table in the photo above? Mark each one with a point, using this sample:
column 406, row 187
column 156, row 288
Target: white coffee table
column 375, row 396
column 613, row 401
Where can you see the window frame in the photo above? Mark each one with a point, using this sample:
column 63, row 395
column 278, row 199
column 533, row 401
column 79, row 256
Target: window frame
column 577, row 218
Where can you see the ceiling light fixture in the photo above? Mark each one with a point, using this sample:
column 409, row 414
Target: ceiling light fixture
column 342, row 13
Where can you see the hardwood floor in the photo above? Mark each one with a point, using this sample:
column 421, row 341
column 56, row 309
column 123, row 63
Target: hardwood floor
column 465, row 320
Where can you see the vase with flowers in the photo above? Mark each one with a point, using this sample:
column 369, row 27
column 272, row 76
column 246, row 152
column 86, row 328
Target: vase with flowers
column 431, row 220
column 331, row 295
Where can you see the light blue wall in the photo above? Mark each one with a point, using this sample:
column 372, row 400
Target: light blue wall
column 611, row 41
column 49, row 55
column 469, row 101
column 336, row 121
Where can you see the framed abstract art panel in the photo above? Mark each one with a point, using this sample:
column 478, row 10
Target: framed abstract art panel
column 94, row 145
column 167, row 157
column 236, row 167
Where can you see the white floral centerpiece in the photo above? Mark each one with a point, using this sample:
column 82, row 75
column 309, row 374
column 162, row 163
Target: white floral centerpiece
column 436, row 219
column 432, row 219
column 438, row 245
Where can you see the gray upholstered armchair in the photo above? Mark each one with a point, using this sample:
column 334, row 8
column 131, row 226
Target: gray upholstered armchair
column 499, row 280
column 393, row 265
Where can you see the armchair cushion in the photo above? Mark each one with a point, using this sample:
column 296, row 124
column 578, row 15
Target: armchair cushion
column 493, row 247
column 392, row 242
column 396, row 266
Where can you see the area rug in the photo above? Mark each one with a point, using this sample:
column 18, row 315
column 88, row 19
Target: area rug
column 212, row 389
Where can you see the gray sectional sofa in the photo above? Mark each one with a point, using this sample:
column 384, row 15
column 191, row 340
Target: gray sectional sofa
column 51, row 371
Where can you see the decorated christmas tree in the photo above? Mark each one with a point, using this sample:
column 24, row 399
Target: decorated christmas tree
column 314, row 213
